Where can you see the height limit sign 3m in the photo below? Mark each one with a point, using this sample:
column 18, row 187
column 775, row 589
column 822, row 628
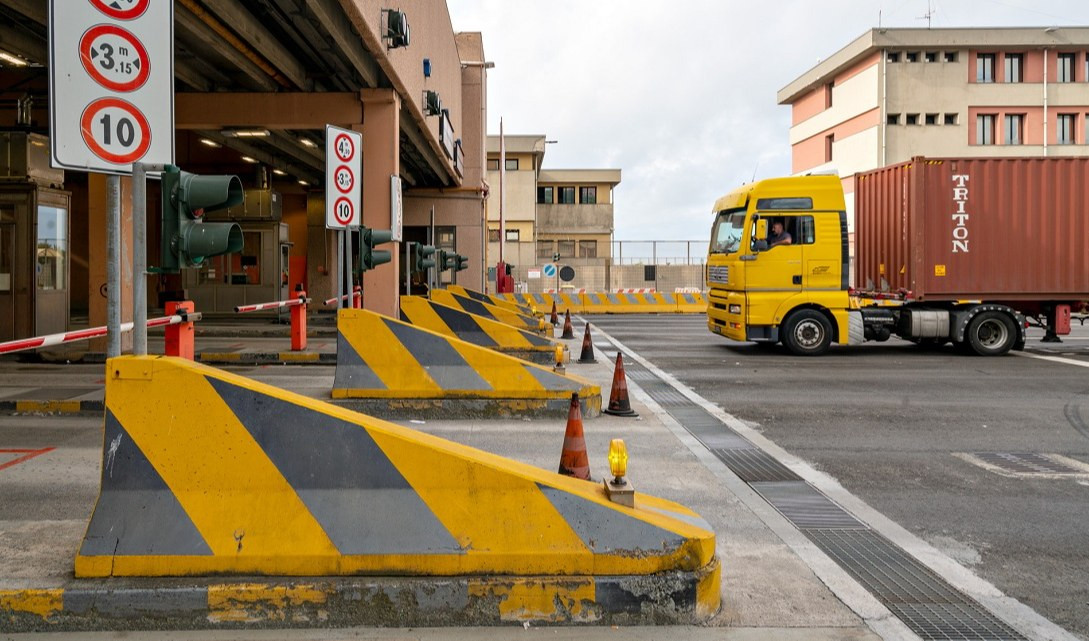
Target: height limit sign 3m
column 111, row 79
column 343, row 175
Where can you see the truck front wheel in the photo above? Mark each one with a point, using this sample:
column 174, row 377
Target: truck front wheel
column 807, row 333
column 992, row 333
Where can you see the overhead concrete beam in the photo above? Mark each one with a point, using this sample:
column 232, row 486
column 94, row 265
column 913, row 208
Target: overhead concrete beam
column 332, row 18
column 18, row 42
column 196, row 29
column 261, row 40
column 256, row 153
column 275, row 111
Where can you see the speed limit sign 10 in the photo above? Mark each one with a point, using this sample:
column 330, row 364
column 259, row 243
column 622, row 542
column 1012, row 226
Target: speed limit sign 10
column 343, row 174
column 111, row 65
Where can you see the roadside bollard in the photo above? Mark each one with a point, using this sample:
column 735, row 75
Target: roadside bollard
column 179, row 338
column 298, row 322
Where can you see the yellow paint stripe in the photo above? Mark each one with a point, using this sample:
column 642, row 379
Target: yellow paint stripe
column 52, row 407
column 43, row 603
column 500, row 371
column 202, row 462
column 451, row 474
column 420, row 313
column 220, row 356
column 380, row 348
column 709, row 592
column 298, row 357
column 255, row 602
column 536, row 600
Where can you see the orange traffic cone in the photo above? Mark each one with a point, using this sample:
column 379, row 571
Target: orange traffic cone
column 567, row 331
column 573, row 460
column 587, row 355
column 554, row 319
column 618, row 398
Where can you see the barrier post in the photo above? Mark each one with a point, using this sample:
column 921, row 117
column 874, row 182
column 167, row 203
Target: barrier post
column 179, row 338
column 357, row 297
column 298, row 322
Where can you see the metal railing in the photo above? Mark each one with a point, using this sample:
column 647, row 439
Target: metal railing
column 659, row 252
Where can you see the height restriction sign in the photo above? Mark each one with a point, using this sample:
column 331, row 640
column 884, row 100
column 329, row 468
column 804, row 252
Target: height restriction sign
column 111, row 78
column 343, row 174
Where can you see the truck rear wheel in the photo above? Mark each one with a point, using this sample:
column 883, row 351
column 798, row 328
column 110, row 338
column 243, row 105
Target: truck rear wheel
column 992, row 333
column 808, row 333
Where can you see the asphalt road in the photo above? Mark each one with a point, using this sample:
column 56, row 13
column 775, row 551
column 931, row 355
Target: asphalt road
column 892, row 423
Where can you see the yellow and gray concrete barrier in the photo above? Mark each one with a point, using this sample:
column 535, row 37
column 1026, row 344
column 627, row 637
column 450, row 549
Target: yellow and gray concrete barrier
column 620, row 303
column 478, row 330
column 386, row 365
column 524, row 309
column 491, row 312
column 209, row 474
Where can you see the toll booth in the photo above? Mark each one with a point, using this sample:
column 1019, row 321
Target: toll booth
column 34, row 239
column 257, row 274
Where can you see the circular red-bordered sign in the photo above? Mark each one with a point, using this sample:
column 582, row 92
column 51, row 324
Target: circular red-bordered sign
column 115, row 131
column 344, row 179
column 121, row 9
column 108, row 53
column 349, row 211
column 344, row 147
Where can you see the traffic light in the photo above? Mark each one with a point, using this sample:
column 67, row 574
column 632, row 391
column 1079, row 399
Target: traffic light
column 460, row 262
column 445, row 260
column 422, row 257
column 186, row 239
column 369, row 257
column 556, row 257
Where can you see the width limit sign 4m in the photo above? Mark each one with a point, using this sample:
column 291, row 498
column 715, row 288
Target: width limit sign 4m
column 111, row 83
column 343, row 175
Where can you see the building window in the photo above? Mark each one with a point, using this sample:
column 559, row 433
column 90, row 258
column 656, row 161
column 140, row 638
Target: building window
column 893, row 56
column 931, row 119
column 565, row 248
column 985, row 129
column 829, row 143
column 950, row 119
column 911, row 56
column 892, row 119
column 1066, row 67
column 912, row 119
column 587, row 249
column 985, row 67
column 566, row 195
column 950, row 56
column 1013, row 129
column 544, row 195
column 544, row 250
column 493, row 235
column 493, row 164
column 588, row 195
column 513, row 235
column 828, row 95
column 512, row 164
column 1064, row 130
column 1013, row 67
column 930, row 56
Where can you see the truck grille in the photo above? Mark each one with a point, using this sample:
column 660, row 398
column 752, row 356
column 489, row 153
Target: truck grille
column 719, row 274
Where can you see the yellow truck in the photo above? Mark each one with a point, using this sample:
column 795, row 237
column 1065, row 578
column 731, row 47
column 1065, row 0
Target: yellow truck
column 778, row 270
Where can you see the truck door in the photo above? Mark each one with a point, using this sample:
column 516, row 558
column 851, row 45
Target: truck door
column 775, row 273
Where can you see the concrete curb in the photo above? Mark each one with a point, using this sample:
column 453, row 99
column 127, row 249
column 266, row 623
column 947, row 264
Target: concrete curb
column 263, row 358
column 52, row 407
column 668, row 598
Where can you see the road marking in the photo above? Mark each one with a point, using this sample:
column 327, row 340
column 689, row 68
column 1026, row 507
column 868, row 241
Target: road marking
column 27, row 455
column 1055, row 359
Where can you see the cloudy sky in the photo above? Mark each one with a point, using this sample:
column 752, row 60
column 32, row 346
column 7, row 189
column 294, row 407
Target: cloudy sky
column 680, row 95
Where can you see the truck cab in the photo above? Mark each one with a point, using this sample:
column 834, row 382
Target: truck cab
column 764, row 289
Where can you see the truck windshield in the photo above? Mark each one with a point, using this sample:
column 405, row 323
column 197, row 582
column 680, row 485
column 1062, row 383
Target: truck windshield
column 726, row 234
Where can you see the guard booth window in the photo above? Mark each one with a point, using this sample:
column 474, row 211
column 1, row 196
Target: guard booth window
column 52, row 247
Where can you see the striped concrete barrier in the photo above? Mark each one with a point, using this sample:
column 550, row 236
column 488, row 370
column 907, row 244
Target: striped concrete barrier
column 491, row 312
column 618, row 303
column 239, row 478
column 478, row 330
column 519, row 307
column 564, row 301
column 389, row 366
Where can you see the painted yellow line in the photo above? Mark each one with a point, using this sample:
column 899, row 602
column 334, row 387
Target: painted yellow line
column 538, row 600
column 40, row 602
column 51, row 407
column 256, row 602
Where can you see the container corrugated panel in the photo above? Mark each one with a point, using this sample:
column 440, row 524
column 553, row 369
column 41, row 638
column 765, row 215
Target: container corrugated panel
column 975, row 228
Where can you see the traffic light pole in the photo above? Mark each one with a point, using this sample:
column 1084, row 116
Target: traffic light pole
column 139, row 255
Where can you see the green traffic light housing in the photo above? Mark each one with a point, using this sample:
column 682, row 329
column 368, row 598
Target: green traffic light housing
column 460, row 262
column 186, row 239
column 369, row 257
column 445, row 260
column 422, row 257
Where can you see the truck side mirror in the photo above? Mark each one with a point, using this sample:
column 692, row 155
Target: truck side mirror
column 761, row 229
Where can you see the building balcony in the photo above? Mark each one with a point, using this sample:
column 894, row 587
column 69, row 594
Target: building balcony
column 575, row 219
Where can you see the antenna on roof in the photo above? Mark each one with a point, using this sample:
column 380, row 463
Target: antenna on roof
column 928, row 15
column 757, row 166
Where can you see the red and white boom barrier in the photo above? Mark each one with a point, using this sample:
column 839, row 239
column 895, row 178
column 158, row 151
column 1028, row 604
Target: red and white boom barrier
column 298, row 316
column 259, row 307
column 93, row 332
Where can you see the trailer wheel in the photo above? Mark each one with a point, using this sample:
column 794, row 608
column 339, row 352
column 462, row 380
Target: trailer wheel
column 992, row 333
column 808, row 333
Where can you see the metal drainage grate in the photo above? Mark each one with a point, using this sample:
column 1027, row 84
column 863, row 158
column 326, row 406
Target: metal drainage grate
column 753, row 465
column 1026, row 463
column 639, row 374
column 805, row 507
column 666, row 396
column 922, row 600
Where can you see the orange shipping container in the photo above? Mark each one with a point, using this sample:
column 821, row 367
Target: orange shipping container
column 997, row 229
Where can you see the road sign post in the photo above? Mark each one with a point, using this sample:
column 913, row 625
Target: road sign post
column 343, row 196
